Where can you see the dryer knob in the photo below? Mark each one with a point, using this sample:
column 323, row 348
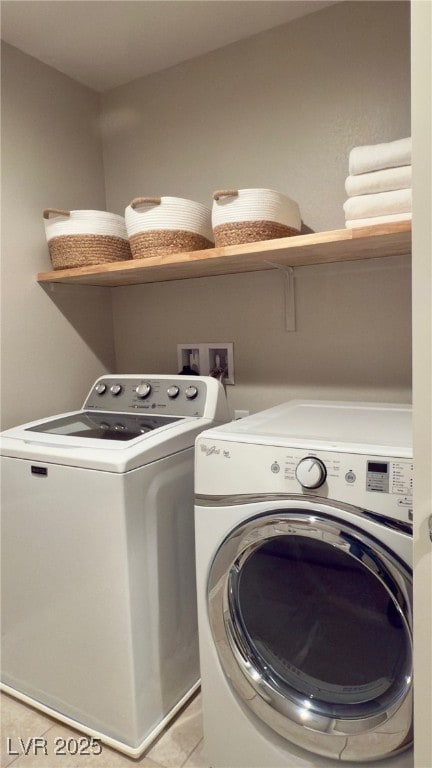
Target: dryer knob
column 100, row 388
column 311, row 472
column 116, row 389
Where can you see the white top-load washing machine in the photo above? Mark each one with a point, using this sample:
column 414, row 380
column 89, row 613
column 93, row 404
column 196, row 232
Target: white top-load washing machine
column 303, row 526
column 99, row 624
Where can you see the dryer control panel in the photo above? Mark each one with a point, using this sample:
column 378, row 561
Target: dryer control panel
column 359, row 479
column 382, row 485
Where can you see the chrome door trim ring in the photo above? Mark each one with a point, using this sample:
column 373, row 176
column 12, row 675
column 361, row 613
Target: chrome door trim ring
column 338, row 737
column 306, row 500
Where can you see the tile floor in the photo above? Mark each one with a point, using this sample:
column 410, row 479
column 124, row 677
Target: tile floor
column 180, row 746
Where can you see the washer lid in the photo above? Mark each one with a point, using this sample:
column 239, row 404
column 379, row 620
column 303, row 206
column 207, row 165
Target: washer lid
column 76, row 440
column 127, row 421
column 354, row 427
column 103, row 426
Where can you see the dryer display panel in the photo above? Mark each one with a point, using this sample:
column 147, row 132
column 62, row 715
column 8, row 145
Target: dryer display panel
column 377, row 476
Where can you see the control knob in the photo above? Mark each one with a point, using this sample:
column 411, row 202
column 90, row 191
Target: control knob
column 173, row 391
column 116, row 389
column 191, row 392
column 143, row 390
column 100, row 388
column 311, row 472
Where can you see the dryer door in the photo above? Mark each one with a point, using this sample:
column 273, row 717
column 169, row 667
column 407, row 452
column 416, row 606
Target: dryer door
column 311, row 618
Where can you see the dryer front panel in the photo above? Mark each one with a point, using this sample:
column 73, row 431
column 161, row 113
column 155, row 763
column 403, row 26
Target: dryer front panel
column 381, row 483
column 311, row 618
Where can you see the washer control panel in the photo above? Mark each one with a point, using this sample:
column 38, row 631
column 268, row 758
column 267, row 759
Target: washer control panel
column 177, row 396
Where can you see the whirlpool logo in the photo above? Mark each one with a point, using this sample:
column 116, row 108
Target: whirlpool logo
column 212, row 450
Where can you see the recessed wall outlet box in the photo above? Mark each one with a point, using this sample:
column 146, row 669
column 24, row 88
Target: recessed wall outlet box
column 208, row 359
column 192, row 356
column 221, row 358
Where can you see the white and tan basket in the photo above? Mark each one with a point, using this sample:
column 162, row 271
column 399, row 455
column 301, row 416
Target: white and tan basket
column 85, row 238
column 248, row 215
column 159, row 225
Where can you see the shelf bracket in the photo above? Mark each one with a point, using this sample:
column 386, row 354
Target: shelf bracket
column 289, row 294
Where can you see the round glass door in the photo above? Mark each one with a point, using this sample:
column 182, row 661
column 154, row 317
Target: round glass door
column 316, row 616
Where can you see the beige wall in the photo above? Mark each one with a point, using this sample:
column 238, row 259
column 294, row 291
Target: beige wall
column 54, row 343
column 282, row 110
column 279, row 110
column 422, row 375
column 352, row 339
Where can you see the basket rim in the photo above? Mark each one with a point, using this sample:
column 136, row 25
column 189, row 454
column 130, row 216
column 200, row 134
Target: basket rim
column 95, row 211
column 169, row 198
column 264, row 189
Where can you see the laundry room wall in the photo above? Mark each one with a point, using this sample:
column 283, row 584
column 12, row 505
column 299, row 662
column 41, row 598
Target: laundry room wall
column 279, row 110
column 54, row 342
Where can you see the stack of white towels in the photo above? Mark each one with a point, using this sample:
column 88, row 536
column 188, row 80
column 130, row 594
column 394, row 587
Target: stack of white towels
column 379, row 184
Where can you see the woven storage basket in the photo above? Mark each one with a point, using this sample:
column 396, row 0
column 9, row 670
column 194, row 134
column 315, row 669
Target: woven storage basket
column 85, row 238
column 247, row 215
column 160, row 225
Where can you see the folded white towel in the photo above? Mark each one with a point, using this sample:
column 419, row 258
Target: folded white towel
column 371, row 221
column 376, row 156
column 385, row 180
column 381, row 204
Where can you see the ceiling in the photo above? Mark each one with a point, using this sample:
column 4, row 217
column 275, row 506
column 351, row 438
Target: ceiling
column 106, row 43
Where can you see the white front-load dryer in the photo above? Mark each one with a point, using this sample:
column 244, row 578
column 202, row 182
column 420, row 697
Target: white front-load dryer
column 303, row 530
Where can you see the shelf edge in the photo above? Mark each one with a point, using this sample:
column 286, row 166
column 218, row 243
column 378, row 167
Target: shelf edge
column 293, row 251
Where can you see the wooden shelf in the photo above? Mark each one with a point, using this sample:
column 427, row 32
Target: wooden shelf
column 325, row 247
